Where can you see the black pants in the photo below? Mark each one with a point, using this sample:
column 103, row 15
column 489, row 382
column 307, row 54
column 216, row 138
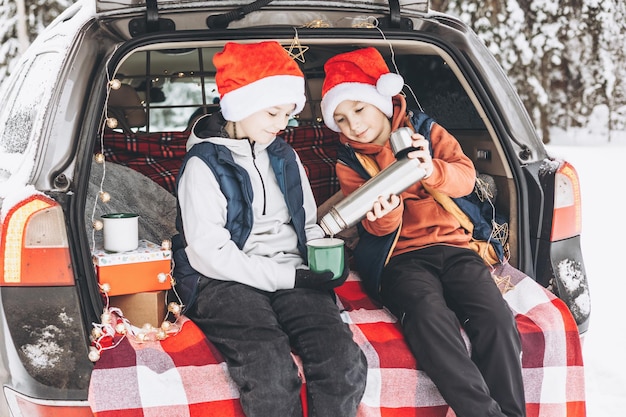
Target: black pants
column 435, row 290
column 256, row 332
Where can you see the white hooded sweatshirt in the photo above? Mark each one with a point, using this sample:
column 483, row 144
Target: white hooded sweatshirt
column 270, row 256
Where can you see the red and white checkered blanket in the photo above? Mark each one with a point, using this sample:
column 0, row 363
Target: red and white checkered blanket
column 184, row 375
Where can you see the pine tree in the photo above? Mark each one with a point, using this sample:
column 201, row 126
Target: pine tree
column 9, row 45
column 564, row 57
column 18, row 30
column 607, row 40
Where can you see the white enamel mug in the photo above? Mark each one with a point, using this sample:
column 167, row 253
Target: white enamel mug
column 121, row 231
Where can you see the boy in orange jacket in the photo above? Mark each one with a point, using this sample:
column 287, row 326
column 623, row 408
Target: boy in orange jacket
column 427, row 274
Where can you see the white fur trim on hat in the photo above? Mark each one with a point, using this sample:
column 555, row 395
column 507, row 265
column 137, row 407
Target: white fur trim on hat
column 366, row 93
column 267, row 92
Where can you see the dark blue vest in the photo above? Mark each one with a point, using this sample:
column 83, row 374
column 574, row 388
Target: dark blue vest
column 371, row 252
column 235, row 184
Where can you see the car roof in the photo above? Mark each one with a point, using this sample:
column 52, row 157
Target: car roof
column 125, row 6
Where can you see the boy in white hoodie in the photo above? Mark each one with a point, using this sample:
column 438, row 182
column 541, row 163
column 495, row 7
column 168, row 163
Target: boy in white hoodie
column 246, row 211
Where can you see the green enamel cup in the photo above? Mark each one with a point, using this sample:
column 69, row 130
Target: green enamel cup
column 326, row 254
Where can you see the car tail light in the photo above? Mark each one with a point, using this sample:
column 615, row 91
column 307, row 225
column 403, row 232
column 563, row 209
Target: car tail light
column 34, row 246
column 22, row 406
column 566, row 219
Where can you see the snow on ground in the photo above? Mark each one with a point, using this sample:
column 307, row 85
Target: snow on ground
column 600, row 165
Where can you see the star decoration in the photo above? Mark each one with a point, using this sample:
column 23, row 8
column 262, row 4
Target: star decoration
column 504, row 284
column 482, row 190
column 500, row 232
column 296, row 45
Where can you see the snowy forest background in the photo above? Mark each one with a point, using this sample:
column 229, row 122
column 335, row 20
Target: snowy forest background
column 567, row 58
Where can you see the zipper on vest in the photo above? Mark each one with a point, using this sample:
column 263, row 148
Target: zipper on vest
column 260, row 176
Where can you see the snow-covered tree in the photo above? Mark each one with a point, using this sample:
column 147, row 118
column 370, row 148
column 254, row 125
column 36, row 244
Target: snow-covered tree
column 565, row 57
column 20, row 22
column 9, row 45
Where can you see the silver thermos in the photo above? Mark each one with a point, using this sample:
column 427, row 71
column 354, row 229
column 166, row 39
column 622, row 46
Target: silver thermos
column 394, row 179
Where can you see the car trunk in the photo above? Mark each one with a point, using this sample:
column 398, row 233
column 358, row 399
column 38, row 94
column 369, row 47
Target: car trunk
column 107, row 6
column 172, row 86
column 451, row 76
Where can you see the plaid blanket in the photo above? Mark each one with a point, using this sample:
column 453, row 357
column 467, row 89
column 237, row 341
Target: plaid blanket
column 184, row 375
column 158, row 156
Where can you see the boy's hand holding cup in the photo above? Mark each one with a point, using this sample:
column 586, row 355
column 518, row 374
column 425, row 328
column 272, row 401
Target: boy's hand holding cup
column 328, row 269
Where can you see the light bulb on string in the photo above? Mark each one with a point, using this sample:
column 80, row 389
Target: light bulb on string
column 174, row 308
column 105, row 197
column 112, row 122
column 115, row 84
column 105, row 318
column 120, row 328
column 94, row 354
column 98, row 225
column 162, row 277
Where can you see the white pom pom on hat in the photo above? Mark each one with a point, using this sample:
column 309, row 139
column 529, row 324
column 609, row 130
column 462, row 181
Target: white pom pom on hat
column 390, row 84
column 360, row 75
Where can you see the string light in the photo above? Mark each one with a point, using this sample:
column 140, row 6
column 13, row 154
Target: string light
column 162, row 277
column 174, row 308
column 112, row 122
column 105, row 197
column 113, row 326
column 115, row 84
column 317, row 23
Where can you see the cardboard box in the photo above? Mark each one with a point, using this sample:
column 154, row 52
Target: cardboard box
column 145, row 269
column 141, row 308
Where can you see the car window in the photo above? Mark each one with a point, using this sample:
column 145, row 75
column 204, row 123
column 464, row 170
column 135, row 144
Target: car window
column 25, row 102
column 439, row 92
column 176, row 84
column 180, row 99
column 173, row 85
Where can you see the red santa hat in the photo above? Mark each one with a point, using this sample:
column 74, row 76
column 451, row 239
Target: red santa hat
column 253, row 77
column 360, row 75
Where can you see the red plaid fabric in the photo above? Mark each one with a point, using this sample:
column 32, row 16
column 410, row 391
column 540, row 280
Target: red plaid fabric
column 158, row 156
column 317, row 148
column 185, row 376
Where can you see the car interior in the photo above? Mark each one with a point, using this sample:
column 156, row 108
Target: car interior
column 157, row 95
